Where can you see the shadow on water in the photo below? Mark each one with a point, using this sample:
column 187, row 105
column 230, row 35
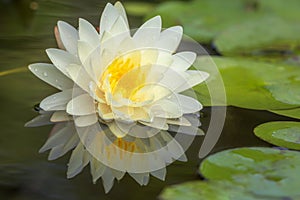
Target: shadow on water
column 26, row 30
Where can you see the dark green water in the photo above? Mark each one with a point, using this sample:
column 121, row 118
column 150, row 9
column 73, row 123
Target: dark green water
column 26, row 31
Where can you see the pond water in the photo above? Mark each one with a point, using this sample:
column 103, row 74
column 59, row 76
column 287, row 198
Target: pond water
column 26, row 31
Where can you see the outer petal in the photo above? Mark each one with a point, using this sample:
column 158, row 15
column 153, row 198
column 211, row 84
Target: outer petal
column 148, row 33
column 170, row 38
column 52, row 76
column 109, row 15
column 88, row 33
column 69, row 36
column 62, row 59
column 81, row 105
column 183, row 60
column 86, row 120
column 57, row 101
column 193, row 78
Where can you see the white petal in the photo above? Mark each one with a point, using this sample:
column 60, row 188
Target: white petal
column 188, row 104
column 182, row 121
column 166, row 109
column 170, row 38
column 105, row 111
column 121, row 11
column 60, row 116
column 193, row 78
column 159, row 123
column 108, row 18
column 81, row 105
column 84, row 50
column 51, row 75
column 86, row 120
column 116, row 130
column 69, row 36
column 88, row 33
column 120, row 29
column 148, row 32
column 57, row 101
column 183, row 60
column 79, row 76
column 61, row 59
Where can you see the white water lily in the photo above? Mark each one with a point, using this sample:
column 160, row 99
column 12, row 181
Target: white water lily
column 120, row 95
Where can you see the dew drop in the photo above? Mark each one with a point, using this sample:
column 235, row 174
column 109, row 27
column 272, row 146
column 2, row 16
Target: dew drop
column 45, row 74
column 35, row 69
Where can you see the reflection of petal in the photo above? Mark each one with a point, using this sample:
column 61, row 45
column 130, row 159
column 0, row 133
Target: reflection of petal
column 79, row 159
column 40, row 120
column 141, row 178
column 160, row 174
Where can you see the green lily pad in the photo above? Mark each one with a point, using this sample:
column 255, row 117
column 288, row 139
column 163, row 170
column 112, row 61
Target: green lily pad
column 284, row 134
column 293, row 113
column 262, row 171
column 288, row 9
column 215, row 190
column 204, row 19
column 287, row 93
column 255, row 37
column 248, row 83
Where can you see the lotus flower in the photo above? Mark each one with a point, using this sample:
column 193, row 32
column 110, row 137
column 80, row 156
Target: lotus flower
column 120, row 99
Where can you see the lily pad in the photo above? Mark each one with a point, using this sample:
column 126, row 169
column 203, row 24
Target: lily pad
column 215, row 190
column 248, row 82
column 255, row 37
column 293, row 113
column 284, row 134
column 262, row 171
column 287, row 93
column 288, row 9
column 204, row 19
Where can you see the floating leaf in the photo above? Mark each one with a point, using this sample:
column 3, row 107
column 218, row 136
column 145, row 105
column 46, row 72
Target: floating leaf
column 215, row 190
column 262, row 171
column 204, row 19
column 269, row 35
column 248, row 82
column 293, row 113
column 287, row 93
column 284, row 134
column 288, row 9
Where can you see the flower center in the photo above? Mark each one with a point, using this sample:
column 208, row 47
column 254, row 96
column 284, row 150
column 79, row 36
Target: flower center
column 117, row 69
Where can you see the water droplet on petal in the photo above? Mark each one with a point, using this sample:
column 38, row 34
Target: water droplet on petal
column 45, row 74
column 35, row 69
